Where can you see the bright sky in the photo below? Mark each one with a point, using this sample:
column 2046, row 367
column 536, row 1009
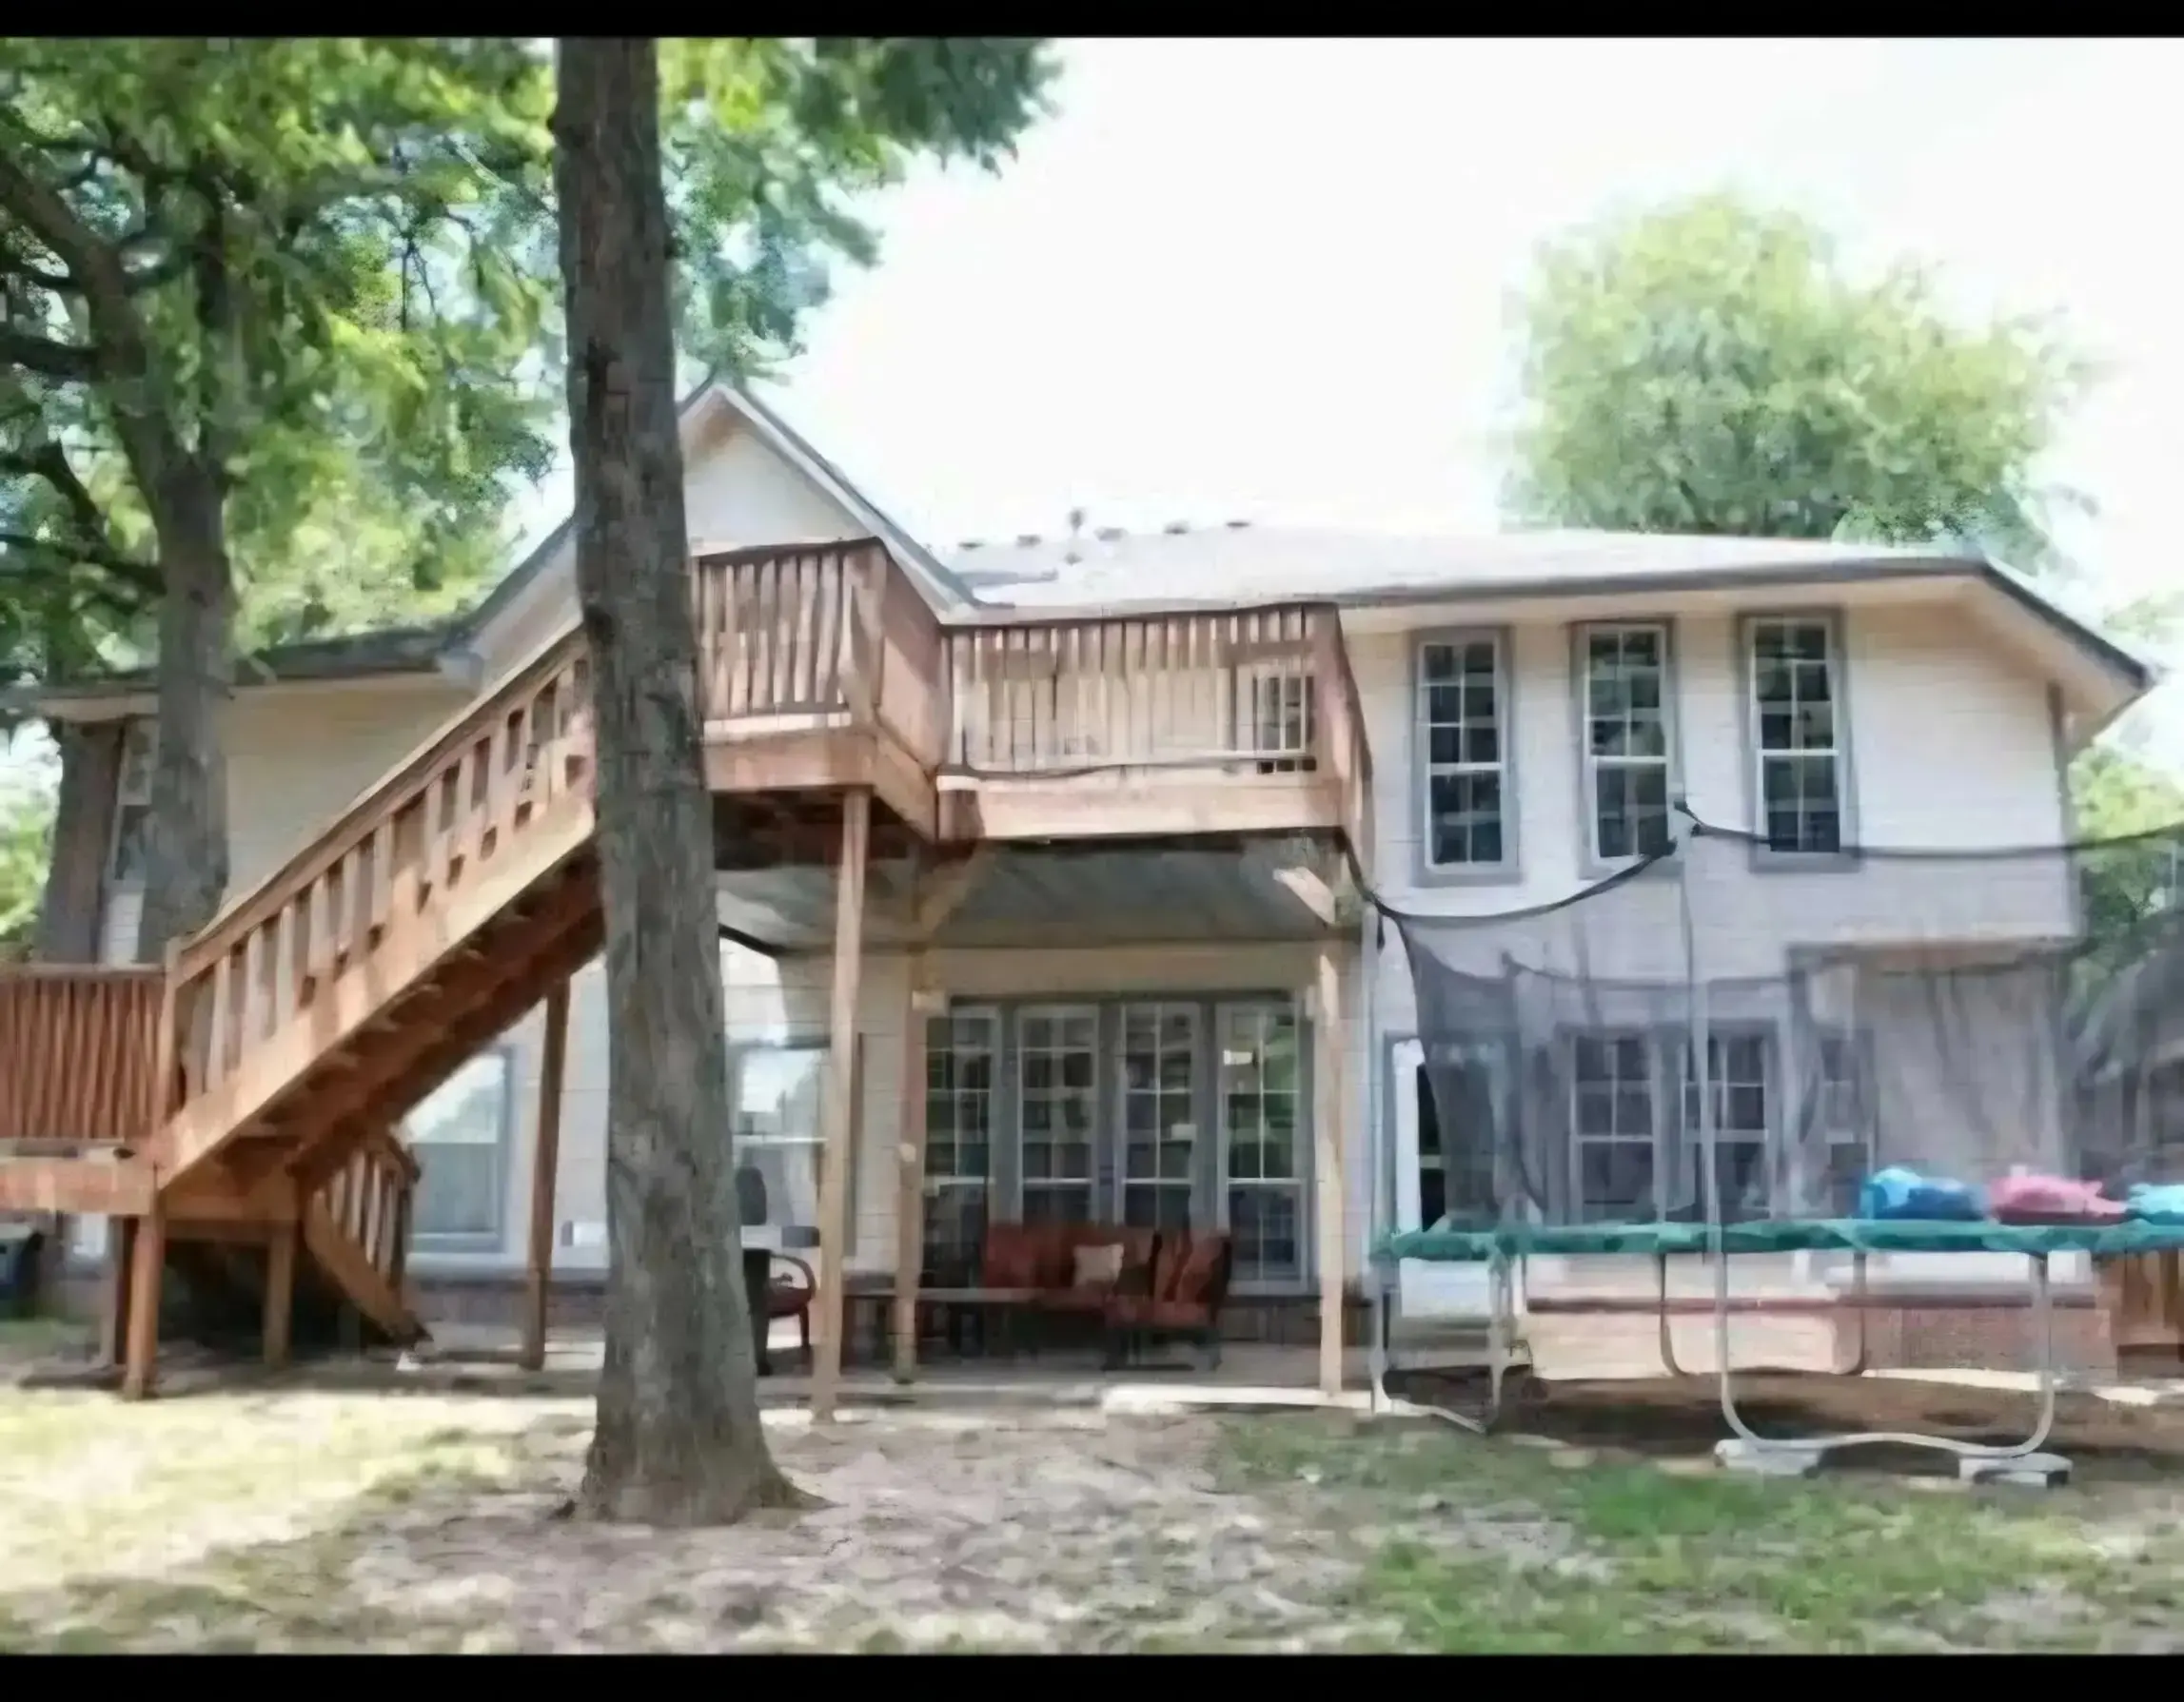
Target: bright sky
column 1266, row 279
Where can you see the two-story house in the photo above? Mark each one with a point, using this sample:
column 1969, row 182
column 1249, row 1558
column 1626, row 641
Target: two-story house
column 1107, row 958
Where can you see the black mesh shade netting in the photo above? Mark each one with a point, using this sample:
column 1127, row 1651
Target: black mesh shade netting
column 1958, row 1013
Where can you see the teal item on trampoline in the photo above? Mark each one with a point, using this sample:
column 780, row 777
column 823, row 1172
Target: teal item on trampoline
column 2157, row 1201
column 1899, row 1192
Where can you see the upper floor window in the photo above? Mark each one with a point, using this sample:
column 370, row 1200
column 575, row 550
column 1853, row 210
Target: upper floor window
column 1463, row 730
column 1797, row 734
column 132, row 802
column 1627, row 691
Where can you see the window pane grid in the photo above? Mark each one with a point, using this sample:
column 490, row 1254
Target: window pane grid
column 1460, row 722
column 961, row 1055
column 459, row 1137
column 1261, row 1095
column 1736, row 1086
column 1057, row 1050
column 1627, row 739
column 1612, row 1124
column 1160, row 1077
column 1794, row 702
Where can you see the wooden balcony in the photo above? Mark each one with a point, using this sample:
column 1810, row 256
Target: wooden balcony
column 78, row 1060
column 823, row 667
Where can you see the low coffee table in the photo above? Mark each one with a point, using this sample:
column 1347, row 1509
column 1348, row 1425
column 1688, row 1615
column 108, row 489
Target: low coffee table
column 994, row 1308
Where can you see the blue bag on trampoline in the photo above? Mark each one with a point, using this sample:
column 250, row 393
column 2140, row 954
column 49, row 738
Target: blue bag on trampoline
column 1900, row 1193
column 2157, row 1201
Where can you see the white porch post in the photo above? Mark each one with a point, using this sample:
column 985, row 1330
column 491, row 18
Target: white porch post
column 1328, row 1192
column 910, row 1155
column 831, row 1303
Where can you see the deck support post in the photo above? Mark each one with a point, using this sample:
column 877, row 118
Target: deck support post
column 910, row 1195
column 147, row 1264
column 839, row 1122
column 113, row 1309
column 280, row 1291
column 545, row 1163
column 1330, row 1194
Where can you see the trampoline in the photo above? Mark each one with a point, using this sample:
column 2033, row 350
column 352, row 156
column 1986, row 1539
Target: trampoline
column 1623, row 1074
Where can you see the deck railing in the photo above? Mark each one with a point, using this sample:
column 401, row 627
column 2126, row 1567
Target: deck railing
column 789, row 639
column 457, row 807
column 369, row 1199
column 78, row 1053
column 1238, row 692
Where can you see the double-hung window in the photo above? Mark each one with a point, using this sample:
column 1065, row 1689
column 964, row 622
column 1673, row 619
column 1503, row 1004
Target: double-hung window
column 1614, row 1138
column 1797, row 734
column 1737, row 1084
column 1462, row 738
column 460, row 1136
column 1626, row 694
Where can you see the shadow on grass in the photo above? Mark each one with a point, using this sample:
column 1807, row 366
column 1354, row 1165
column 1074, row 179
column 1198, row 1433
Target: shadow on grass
column 304, row 1592
column 1505, row 1545
column 1682, row 1418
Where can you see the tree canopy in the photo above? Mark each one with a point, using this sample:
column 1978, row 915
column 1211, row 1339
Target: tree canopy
column 1709, row 366
column 283, row 316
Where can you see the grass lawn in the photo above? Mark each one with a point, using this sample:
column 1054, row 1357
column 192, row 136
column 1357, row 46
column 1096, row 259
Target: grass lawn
column 286, row 1517
column 1524, row 1545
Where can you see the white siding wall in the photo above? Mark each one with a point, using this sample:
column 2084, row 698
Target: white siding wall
column 787, row 1002
column 1950, row 745
column 734, row 493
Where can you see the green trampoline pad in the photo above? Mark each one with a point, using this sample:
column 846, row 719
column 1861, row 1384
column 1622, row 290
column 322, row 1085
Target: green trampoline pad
column 1819, row 1235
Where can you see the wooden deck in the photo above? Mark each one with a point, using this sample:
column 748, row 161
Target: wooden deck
column 244, row 1093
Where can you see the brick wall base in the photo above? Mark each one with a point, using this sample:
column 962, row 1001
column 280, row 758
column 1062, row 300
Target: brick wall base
column 575, row 1305
column 1934, row 1335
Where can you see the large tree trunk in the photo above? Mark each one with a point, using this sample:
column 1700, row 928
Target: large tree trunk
column 677, row 1439
column 186, row 849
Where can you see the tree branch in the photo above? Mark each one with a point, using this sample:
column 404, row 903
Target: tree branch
column 137, row 576
column 94, row 542
column 68, row 363
column 118, row 336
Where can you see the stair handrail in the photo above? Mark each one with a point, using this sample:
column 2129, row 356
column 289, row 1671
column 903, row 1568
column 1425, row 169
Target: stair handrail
column 253, row 906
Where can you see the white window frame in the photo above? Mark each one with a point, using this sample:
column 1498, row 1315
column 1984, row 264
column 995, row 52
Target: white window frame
column 1719, row 1037
column 1591, row 763
column 782, row 1232
column 427, row 1241
column 1158, row 1010
column 1090, row 1181
column 1297, row 1185
column 1431, row 870
column 1612, row 1037
column 132, row 792
column 1836, row 751
column 944, row 1037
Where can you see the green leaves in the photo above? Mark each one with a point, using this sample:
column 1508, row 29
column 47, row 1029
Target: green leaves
column 26, row 839
column 328, row 266
column 1710, row 367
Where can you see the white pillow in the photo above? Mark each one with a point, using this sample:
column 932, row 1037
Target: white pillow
column 1098, row 1267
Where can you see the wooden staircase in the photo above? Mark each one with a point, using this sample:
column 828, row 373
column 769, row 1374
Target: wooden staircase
column 237, row 1109
column 244, row 1096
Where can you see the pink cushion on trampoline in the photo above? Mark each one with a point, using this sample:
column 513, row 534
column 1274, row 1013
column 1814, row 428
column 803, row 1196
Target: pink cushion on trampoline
column 2028, row 1198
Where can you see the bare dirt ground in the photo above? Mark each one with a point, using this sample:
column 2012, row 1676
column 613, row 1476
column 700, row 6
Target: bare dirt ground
column 288, row 1518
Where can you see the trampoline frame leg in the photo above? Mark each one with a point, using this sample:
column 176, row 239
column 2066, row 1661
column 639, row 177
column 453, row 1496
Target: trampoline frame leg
column 1501, row 1332
column 1665, row 1320
column 2016, row 1460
